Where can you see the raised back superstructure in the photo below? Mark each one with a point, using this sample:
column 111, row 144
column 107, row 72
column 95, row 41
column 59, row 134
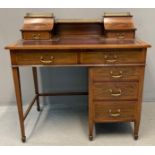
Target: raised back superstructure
column 45, row 27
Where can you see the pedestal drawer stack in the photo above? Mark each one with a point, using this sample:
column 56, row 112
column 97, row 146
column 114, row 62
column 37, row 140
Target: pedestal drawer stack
column 115, row 90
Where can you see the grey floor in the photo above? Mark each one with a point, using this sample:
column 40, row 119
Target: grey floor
column 67, row 125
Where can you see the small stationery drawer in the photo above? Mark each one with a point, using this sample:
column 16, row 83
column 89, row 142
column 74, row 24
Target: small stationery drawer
column 115, row 111
column 46, row 58
column 116, row 73
column 36, row 35
column 120, row 35
column 113, row 57
column 115, row 90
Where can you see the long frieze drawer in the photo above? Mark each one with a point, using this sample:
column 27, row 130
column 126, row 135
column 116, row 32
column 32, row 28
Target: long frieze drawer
column 113, row 57
column 45, row 58
column 116, row 73
column 115, row 91
column 115, row 111
column 36, row 35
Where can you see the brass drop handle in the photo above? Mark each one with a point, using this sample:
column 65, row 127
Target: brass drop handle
column 36, row 36
column 120, row 35
column 115, row 94
column 114, row 59
column 116, row 76
column 42, row 59
column 117, row 114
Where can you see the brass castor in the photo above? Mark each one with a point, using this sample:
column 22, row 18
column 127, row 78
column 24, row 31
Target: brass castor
column 135, row 137
column 24, row 139
column 90, row 138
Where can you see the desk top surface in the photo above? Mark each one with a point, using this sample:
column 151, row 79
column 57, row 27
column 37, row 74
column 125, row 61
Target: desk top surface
column 75, row 42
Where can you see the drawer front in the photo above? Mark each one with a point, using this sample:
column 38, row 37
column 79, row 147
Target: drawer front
column 115, row 111
column 115, row 91
column 46, row 58
column 116, row 73
column 113, row 57
column 38, row 35
column 120, row 35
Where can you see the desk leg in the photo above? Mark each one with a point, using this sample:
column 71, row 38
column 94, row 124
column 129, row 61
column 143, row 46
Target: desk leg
column 17, row 85
column 90, row 105
column 35, row 77
column 136, row 129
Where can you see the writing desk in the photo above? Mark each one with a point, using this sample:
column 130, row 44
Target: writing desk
column 115, row 67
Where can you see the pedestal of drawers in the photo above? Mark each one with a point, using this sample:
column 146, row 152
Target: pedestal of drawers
column 115, row 93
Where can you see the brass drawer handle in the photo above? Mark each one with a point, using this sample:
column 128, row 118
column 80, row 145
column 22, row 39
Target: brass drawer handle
column 36, row 36
column 116, row 76
column 114, row 59
column 114, row 114
column 120, row 35
column 42, row 59
column 115, row 94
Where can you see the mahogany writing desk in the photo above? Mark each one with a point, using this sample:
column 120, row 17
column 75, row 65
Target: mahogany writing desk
column 114, row 57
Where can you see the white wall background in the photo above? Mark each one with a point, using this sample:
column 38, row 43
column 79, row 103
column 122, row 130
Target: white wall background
column 11, row 21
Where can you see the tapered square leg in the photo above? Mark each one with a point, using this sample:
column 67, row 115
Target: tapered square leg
column 90, row 107
column 16, row 77
column 35, row 77
column 91, row 131
column 136, row 129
